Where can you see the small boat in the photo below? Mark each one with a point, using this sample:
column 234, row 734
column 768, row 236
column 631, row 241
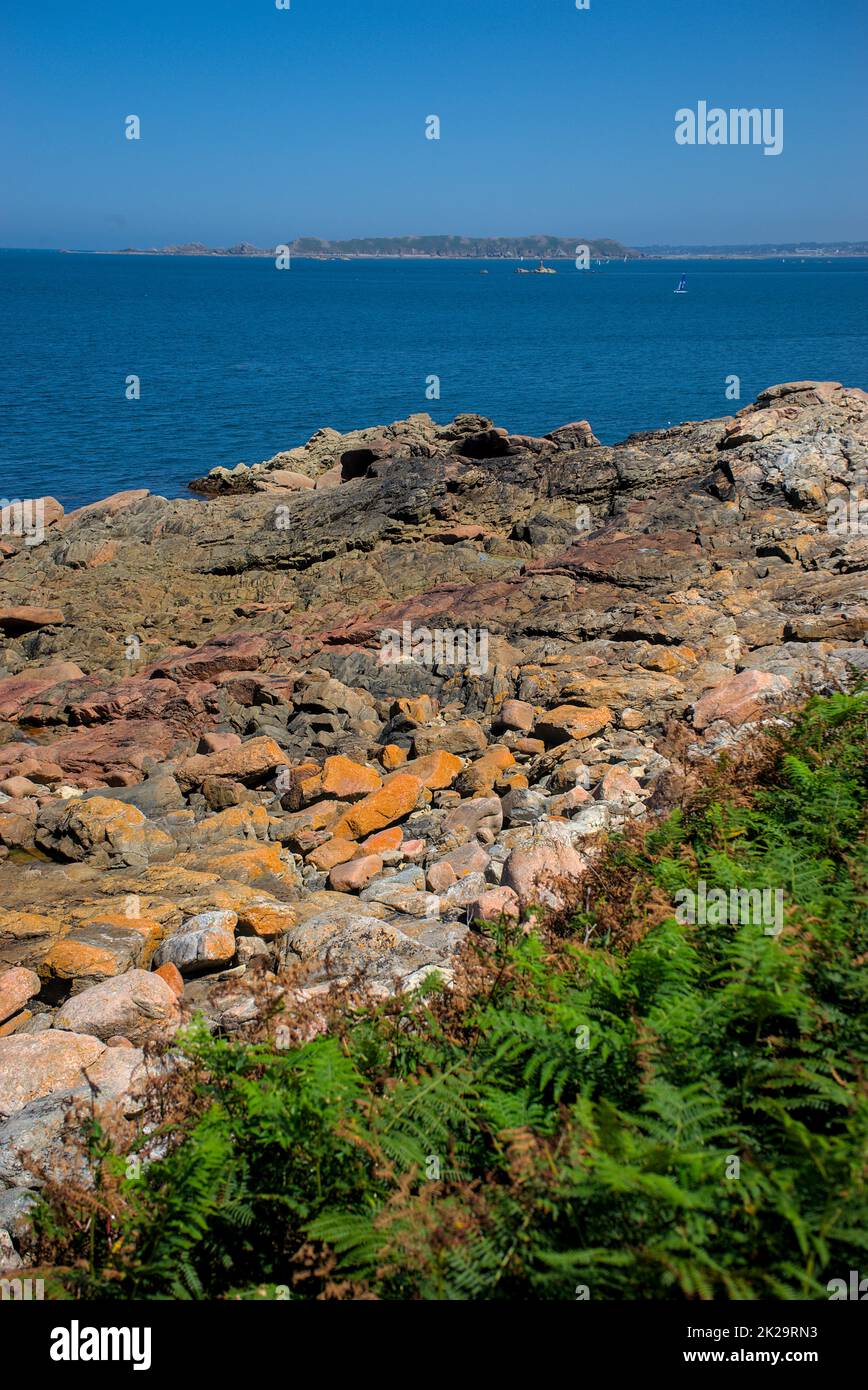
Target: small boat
column 543, row 269
column 682, row 285
column 483, row 272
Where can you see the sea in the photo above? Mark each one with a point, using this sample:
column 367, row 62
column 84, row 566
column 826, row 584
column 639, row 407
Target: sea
column 145, row 371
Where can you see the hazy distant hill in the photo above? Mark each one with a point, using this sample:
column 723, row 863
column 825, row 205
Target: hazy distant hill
column 763, row 250
column 449, row 247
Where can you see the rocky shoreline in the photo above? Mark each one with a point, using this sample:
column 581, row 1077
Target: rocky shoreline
column 369, row 691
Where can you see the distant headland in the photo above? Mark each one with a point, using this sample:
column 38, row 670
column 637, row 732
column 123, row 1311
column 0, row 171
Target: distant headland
column 412, row 247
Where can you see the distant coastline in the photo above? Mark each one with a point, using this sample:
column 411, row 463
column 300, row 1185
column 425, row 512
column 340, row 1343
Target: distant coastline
column 794, row 250
column 410, row 248
column 547, row 248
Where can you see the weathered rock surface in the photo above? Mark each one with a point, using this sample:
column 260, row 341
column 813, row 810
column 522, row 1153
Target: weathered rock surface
column 17, row 987
column 738, row 700
column 102, row 830
column 37, row 1066
column 139, row 1006
column 542, row 871
column 202, row 943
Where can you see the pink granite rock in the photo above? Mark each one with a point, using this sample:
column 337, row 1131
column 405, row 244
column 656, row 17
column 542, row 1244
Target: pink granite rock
column 738, row 700
column 354, row 875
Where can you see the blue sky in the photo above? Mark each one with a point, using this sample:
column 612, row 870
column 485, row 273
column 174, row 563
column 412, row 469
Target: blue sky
column 261, row 125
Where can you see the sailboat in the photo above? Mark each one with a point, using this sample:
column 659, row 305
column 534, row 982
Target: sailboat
column 682, row 285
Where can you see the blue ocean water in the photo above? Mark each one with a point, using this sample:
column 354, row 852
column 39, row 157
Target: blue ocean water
column 238, row 360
